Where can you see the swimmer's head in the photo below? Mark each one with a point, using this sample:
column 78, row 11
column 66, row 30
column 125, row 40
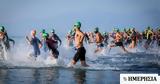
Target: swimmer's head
column 77, row 25
column 43, row 31
column 148, row 28
column 33, row 32
column 96, row 30
column 133, row 29
column 53, row 31
column 104, row 33
column 117, row 30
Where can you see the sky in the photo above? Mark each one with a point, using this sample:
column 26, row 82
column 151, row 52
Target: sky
column 21, row 16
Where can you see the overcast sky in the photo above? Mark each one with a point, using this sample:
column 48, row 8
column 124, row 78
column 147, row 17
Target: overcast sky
column 20, row 16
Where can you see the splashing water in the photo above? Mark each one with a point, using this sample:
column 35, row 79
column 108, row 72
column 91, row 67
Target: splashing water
column 139, row 59
column 3, row 52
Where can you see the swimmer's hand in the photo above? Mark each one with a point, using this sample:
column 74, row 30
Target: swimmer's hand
column 40, row 45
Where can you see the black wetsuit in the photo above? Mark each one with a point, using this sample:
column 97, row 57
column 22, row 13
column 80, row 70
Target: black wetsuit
column 55, row 37
column 52, row 45
column 6, row 41
column 106, row 40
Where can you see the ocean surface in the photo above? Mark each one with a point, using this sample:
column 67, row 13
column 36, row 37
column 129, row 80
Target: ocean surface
column 105, row 67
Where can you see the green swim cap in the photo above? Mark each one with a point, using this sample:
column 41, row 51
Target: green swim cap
column 43, row 31
column 96, row 29
column 77, row 24
column 148, row 28
column 117, row 30
column 2, row 29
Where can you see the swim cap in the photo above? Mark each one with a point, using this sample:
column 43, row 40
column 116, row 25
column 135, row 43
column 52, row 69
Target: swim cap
column 96, row 29
column 104, row 33
column 77, row 24
column 148, row 28
column 2, row 29
column 117, row 30
column 43, row 31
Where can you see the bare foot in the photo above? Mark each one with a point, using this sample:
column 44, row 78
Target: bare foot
column 70, row 65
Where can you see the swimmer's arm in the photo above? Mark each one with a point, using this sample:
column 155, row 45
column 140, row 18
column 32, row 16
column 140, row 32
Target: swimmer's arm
column 28, row 40
column 102, row 38
column 59, row 39
column 148, row 35
column 40, row 43
column 5, row 39
column 11, row 40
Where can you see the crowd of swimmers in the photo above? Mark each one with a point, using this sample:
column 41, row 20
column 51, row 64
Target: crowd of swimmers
column 128, row 37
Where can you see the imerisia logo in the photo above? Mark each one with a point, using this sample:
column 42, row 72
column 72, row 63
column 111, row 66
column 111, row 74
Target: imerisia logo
column 139, row 79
